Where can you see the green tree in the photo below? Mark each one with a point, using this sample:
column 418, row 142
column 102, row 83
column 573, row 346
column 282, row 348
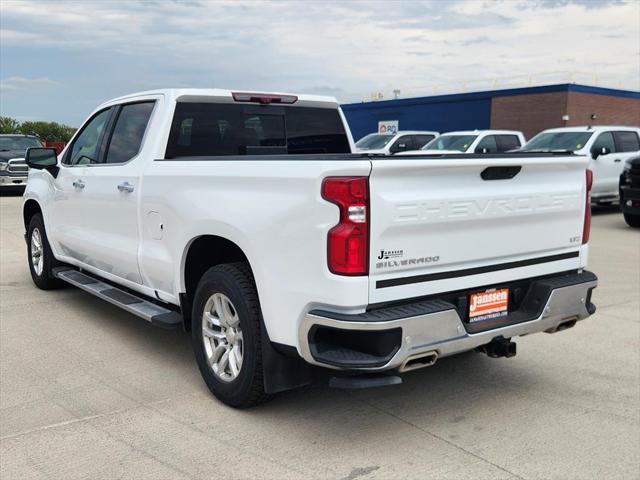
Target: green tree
column 49, row 131
column 9, row 125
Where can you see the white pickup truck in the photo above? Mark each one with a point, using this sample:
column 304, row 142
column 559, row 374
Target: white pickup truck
column 246, row 219
column 393, row 143
column 473, row 141
column 607, row 148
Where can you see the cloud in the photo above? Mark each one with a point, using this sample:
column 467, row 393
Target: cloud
column 12, row 84
column 476, row 40
column 584, row 3
column 97, row 50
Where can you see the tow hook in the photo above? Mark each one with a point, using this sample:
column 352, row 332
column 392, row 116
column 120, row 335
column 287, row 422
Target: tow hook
column 499, row 347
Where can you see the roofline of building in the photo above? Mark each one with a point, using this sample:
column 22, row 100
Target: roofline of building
column 488, row 94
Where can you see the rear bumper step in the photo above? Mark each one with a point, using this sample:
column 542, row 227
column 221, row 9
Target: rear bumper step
column 392, row 337
column 156, row 314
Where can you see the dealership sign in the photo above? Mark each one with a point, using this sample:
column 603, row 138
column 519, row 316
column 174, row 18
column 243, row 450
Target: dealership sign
column 388, row 126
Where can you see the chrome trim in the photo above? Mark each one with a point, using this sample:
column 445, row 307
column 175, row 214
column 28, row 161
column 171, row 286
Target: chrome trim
column 143, row 309
column 429, row 358
column 444, row 333
column 12, row 180
column 19, row 163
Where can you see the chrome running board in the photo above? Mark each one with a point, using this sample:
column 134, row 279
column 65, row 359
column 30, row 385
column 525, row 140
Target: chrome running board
column 132, row 303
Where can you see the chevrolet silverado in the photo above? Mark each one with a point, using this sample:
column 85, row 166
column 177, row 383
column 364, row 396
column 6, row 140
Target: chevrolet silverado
column 246, row 219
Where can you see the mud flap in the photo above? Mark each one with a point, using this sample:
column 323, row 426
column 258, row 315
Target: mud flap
column 282, row 372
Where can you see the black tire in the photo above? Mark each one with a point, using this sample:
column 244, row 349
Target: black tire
column 235, row 281
column 43, row 278
column 632, row 220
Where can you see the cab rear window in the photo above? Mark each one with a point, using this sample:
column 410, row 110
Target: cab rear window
column 214, row 129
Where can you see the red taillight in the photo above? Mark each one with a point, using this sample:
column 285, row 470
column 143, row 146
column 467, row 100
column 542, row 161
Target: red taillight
column 586, row 230
column 263, row 98
column 348, row 241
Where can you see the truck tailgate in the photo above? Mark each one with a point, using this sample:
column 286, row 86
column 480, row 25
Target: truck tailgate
column 438, row 226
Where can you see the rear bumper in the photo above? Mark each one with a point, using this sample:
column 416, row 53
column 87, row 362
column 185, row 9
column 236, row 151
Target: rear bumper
column 385, row 339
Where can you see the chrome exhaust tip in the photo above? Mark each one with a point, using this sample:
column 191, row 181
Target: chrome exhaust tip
column 421, row 360
column 564, row 325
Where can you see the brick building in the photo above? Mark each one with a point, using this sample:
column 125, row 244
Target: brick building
column 527, row 109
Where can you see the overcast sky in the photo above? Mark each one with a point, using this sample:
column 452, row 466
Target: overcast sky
column 58, row 60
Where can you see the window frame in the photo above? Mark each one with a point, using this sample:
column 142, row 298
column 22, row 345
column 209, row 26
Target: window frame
column 67, row 156
column 112, row 128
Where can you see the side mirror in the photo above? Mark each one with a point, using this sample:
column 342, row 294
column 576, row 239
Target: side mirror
column 43, row 159
column 595, row 153
column 481, row 150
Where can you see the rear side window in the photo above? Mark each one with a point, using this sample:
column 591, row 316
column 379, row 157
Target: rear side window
column 487, row 145
column 212, row 129
column 421, row 140
column 128, row 132
column 626, row 141
column 402, row 144
column 507, row 142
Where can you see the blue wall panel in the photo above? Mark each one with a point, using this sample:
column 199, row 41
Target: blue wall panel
column 443, row 113
column 438, row 116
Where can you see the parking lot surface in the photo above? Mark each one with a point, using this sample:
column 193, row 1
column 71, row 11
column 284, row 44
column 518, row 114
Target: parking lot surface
column 89, row 391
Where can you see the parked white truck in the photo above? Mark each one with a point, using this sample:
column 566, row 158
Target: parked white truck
column 606, row 147
column 473, row 141
column 393, row 143
column 246, row 219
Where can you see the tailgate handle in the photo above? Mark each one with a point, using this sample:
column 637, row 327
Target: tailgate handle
column 500, row 173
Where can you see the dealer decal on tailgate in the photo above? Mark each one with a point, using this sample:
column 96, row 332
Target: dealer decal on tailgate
column 489, row 304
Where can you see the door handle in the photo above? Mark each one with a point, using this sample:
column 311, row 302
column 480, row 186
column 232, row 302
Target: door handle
column 617, row 160
column 79, row 184
column 125, row 187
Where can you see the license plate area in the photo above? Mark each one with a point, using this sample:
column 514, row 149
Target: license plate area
column 488, row 305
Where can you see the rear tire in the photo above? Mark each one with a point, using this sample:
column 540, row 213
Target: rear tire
column 40, row 257
column 632, row 220
column 226, row 336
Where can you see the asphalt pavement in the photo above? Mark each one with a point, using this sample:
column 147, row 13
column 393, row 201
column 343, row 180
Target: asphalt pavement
column 89, row 391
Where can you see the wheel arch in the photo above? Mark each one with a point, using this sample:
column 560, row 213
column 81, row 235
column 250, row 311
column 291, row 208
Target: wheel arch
column 202, row 253
column 282, row 371
column 30, row 208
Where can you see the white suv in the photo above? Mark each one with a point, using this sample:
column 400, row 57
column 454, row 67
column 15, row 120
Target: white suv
column 392, row 143
column 475, row 141
column 608, row 148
